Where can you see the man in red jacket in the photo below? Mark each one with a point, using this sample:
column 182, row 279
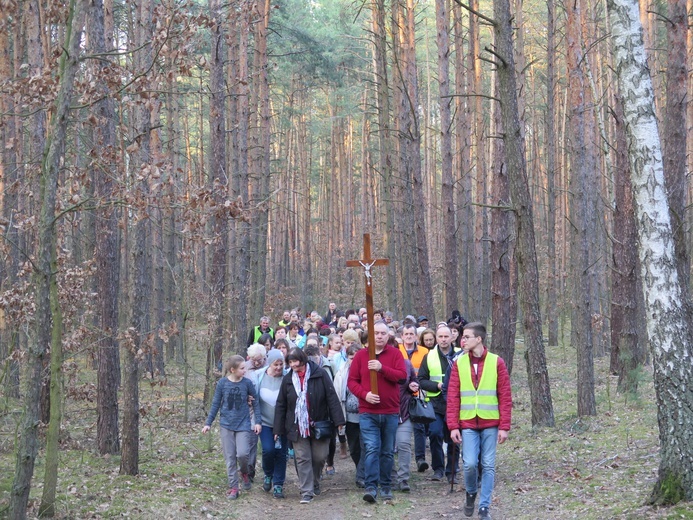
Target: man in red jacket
column 479, row 409
column 378, row 413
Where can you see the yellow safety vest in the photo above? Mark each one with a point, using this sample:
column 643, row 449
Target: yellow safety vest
column 435, row 371
column 482, row 401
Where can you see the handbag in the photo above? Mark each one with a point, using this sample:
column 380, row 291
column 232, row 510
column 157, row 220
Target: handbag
column 352, row 403
column 420, row 410
column 322, row 429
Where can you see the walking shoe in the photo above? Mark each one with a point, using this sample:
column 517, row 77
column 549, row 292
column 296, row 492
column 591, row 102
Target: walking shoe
column 369, row 496
column 232, row 493
column 438, row 475
column 245, row 481
column 421, row 465
column 360, row 484
column 484, row 513
column 316, row 488
column 386, row 494
column 278, row 492
column 469, row 504
column 343, row 450
column 307, row 499
column 404, row 486
column 267, row 484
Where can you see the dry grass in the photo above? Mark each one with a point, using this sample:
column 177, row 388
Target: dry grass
column 599, row 467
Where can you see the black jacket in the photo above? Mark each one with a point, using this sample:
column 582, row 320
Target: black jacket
column 440, row 401
column 323, row 403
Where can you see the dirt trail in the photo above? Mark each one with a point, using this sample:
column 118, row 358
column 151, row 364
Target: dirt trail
column 341, row 499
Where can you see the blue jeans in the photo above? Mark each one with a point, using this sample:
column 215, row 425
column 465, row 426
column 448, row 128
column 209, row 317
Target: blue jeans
column 273, row 460
column 378, row 433
column 475, row 442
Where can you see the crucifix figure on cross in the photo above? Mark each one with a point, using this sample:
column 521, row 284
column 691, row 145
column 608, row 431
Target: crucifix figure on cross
column 367, row 263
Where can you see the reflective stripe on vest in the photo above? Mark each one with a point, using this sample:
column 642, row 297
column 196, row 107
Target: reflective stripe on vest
column 435, row 371
column 483, row 401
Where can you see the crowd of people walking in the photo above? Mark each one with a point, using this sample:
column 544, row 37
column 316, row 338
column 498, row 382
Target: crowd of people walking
column 305, row 387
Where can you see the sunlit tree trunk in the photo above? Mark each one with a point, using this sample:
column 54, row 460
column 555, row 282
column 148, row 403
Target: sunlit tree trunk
column 580, row 208
column 668, row 315
column 449, row 235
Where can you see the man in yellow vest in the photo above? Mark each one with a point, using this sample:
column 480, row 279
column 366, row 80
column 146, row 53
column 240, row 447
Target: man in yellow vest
column 479, row 409
column 431, row 375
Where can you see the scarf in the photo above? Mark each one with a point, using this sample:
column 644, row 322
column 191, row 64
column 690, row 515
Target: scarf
column 301, row 411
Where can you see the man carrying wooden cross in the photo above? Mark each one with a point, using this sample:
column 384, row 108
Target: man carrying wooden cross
column 374, row 378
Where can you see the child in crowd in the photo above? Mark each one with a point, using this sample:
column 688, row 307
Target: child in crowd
column 231, row 401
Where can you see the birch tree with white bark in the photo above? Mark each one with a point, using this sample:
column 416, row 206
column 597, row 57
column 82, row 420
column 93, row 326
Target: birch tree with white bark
column 668, row 314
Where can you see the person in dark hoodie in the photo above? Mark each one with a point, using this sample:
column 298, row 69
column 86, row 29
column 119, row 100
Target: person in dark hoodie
column 307, row 396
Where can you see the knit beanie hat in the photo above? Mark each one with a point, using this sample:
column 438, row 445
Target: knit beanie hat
column 273, row 355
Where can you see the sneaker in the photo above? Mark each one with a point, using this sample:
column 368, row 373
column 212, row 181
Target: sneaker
column 404, row 486
column 329, row 470
column 307, row 499
column 469, row 504
column 291, row 453
column 370, row 496
column 232, row 493
column 267, row 484
column 316, row 488
column 386, row 494
column 421, row 465
column 438, row 475
column 484, row 513
column 245, row 481
column 360, row 484
column 278, row 492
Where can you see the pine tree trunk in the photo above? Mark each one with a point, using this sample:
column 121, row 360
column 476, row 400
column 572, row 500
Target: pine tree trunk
column 106, row 250
column 668, row 314
column 528, row 280
column 580, row 209
column 449, row 235
column 674, row 132
column 627, row 348
column 551, row 165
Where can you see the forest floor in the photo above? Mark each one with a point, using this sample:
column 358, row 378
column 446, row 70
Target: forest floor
column 600, row 467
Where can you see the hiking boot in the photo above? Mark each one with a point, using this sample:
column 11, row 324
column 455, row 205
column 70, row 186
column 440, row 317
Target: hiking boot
column 438, row 475
column 484, row 513
column 404, row 486
column 278, row 492
column 386, row 494
column 370, row 496
column 232, row 493
column 421, row 465
column 307, row 499
column 469, row 504
column 245, row 481
column 267, row 484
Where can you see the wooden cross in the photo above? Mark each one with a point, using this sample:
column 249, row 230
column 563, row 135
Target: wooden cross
column 367, row 263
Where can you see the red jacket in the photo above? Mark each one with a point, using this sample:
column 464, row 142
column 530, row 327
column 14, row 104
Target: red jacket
column 505, row 400
column 389, row 376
